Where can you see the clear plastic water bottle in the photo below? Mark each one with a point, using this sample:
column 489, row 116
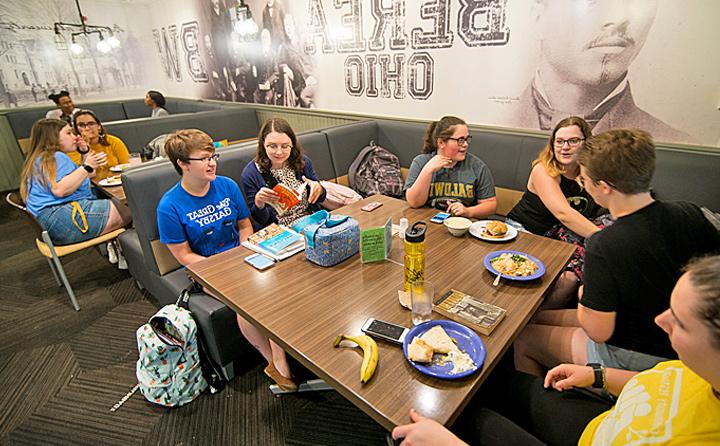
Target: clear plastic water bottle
column 414, row 254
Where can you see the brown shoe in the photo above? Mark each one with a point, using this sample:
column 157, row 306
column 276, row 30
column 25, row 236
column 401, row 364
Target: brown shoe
column 285, row 384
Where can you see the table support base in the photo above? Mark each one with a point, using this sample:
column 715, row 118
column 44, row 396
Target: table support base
column 313, row 385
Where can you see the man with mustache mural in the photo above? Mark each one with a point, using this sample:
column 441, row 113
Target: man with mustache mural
column 586, row 48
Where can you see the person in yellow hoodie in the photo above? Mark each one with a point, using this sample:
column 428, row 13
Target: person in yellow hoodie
column 88, row 125
column 676, row 402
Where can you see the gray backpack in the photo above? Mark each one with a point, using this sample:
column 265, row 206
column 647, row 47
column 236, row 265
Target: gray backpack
column 376, row 171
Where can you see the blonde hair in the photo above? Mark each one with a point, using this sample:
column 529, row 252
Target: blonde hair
column 546, row 157
column 180, row 145
column 44, row 142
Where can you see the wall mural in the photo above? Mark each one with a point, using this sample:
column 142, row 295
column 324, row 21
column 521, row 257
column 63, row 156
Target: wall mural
column 516, row 63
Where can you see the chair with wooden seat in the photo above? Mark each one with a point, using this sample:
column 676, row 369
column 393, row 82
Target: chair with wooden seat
column 53, row 253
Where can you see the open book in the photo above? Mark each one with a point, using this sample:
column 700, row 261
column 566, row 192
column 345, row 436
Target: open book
column 276, row 241
column 288, row 197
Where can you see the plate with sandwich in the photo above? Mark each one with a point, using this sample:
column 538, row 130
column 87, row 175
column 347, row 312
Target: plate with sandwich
column 444, row 349
column 120, row 167
column 111, row 181
column 493, row 231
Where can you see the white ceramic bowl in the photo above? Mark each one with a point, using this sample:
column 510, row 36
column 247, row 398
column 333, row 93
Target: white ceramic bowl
column 457, row 226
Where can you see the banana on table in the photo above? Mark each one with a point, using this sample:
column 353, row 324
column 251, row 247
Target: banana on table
column 370, row 354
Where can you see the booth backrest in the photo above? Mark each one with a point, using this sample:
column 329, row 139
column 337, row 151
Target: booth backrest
column 227, row 123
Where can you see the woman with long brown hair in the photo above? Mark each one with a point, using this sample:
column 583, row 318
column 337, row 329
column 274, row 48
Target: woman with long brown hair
column 57, row 191
column 280, row 159
column 88, row 125
column 555, row 203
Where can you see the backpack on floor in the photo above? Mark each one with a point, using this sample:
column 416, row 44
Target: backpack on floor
column 168, row 370
column 376, row 171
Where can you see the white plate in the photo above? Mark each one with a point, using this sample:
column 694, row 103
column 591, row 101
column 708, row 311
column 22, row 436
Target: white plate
column 119, row 167
column 106, row 183
column 477, row 229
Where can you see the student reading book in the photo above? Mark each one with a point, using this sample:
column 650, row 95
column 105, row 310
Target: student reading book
column 280, row 160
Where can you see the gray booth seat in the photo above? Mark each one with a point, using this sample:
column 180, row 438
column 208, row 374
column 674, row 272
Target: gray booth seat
column 144, row 187
column 226, row 123
column 688, row 175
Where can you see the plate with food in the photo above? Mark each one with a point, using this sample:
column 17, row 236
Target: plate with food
column 444, row 349
column 493, row 231
column 111, row 181
column 119, row 167
column 514, row 265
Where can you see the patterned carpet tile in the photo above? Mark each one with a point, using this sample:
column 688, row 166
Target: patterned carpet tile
column 111, row 339
column 125, row 292
column 29, row 379
column 80, row 413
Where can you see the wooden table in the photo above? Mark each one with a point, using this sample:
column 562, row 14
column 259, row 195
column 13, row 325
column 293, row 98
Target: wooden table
column 112, row 192
column 303, row 307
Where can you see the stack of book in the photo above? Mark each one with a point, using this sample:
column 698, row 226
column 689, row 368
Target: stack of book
column 278, row 242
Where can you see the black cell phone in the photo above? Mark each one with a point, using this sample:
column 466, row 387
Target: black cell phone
column 385, row 330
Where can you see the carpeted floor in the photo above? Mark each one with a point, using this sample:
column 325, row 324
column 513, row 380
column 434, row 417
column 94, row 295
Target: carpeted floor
column 61, row 371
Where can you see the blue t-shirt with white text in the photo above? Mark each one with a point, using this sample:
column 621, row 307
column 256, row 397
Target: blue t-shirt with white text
column 41, row 197
column 208, row 223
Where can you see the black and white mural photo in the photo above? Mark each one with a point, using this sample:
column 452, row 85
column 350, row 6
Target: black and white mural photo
column 650, row 64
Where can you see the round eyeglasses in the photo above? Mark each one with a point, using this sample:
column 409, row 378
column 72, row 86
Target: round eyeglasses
column 572, row 142
column 462, row 140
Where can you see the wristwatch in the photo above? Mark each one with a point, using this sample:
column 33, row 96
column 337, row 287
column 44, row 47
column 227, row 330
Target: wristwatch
column 88, row 168
column 599, row 371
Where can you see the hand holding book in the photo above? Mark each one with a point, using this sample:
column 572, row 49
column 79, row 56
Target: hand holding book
column 286, row 197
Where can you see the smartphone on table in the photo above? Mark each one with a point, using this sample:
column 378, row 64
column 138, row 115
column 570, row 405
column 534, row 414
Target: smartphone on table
column 371, row 206
column 385, row 330
column 440, row 217
column 260, row 261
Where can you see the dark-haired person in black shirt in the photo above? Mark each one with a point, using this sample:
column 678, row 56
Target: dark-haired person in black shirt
column 630, row 267
column 66, row 108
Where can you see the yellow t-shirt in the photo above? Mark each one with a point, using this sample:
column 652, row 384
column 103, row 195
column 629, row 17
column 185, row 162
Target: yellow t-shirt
column 117, row 152
column 668, row 404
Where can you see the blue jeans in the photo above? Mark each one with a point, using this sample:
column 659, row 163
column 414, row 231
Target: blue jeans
column 64, row 230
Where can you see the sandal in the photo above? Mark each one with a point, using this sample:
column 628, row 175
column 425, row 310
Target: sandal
column 286, row 384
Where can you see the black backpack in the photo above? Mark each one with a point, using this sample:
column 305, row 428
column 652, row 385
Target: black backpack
column 376, row 171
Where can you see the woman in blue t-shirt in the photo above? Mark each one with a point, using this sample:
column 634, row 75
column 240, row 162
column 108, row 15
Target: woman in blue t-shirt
column 204, row 214
column 57, row 191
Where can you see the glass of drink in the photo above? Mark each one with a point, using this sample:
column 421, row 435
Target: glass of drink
column 134, row 159
column 422, row 293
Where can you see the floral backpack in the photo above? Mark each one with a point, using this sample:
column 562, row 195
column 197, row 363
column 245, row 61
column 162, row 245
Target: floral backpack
column 169, row 371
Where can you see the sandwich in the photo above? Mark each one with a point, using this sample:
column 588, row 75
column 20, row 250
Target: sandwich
column 439, row 340
column 420, row 351
column 496, row 228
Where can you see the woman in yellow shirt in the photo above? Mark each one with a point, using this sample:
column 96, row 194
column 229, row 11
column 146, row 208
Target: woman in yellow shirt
column 92, row 131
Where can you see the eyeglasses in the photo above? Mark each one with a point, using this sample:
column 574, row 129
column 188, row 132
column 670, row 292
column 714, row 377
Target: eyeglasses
column 462, row 141
column 572, row 142
column 206, row 159
column 275, row 147
column 85, row 125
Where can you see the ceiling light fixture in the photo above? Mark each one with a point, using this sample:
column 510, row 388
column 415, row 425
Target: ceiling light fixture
column 82, row 29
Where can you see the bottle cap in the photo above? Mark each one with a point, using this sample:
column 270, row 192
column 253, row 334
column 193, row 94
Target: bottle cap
column 416, row 233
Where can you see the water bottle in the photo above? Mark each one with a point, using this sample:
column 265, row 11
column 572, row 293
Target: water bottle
column 414, row 254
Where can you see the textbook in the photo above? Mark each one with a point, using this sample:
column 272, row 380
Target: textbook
column 468, row 310
column 288, row 197
column 276, row 241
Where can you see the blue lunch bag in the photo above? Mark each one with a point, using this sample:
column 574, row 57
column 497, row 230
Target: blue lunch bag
column 329, row 239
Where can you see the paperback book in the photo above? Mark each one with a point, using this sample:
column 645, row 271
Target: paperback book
column 276, row 241
column 288, row 197
column 468, row 310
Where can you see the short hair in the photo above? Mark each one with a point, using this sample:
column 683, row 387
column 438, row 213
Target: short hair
column 704, row 275
column 279, row 125
column 623, row 158
column 102, row 135
column 180, row 144
column 547, row 158
column 442, row 129
column 157, row 98
column 56, row 97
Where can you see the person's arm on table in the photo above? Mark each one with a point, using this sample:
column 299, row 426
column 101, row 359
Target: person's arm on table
column 425, row 431
column 417, row 193
column 568, row 376
column 183, row 253
column 481, row 210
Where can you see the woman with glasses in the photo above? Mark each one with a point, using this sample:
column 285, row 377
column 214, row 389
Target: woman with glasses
column 556, row 205
column 57, row 191
column 88, row 126
column 280, row 159
column 446, row 176
column 205, row 214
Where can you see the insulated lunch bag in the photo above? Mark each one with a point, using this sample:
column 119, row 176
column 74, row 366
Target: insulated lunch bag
column 329, row 239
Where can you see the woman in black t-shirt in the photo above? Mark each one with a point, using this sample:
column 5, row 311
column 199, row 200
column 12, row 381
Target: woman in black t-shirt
column 555, row 205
